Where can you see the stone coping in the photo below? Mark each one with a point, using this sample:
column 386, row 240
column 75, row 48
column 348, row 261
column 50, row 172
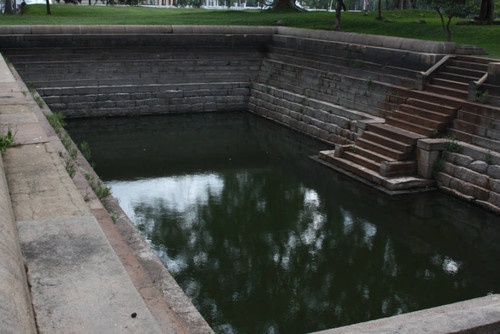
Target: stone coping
column 389, row 42
column 479, row 315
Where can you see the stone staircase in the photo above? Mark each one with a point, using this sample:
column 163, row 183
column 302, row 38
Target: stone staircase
column 388, row 151
column 453, row 79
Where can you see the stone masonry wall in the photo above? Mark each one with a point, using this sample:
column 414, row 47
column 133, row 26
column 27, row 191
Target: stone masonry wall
column 470, row 173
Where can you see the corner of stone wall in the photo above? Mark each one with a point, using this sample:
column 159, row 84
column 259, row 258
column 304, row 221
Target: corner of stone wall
column 16, row 313
column 468, row 172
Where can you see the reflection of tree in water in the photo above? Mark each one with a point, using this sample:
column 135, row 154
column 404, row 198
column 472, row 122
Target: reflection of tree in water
column 262, row 243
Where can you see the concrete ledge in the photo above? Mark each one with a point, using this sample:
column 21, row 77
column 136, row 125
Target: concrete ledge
column 131, row 29
column 409, row 44
column 77, row 282
column 481, row 315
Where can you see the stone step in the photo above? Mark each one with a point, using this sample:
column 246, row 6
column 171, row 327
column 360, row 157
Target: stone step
column 369, row 154
column 143, row 89
column 473, row 59
column 132, row 67
column 464, row 71
column 330, row 112
column 337, row 63
column 493, row 90
column 456, row 77
column 400, row 168
column 361, row 160
column 143, row 81
column 425, row 113
column 381, row 149
column 478, row 119
column 135, row 76
column 446, row 91
column 395, row 133
column 432, row 97
column 482, row 109
column 431, row 106
column 480, row 141
column 328, row 90
column 469, row 63
column 394, row 185
column 115, row 53
column 476, row 129
column 386, row 142
column 450, row 83
column 352, row 167
column 426, row 131
column 417, row 120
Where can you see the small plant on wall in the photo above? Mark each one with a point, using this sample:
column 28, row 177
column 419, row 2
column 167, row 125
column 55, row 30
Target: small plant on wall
column 453, row 146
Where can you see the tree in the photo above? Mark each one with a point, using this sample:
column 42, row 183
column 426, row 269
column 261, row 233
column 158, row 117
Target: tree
column 379, row 16
column 48, row 6
column 8, row 7
column 487, row 13
column 450, row 9
column 338, row 14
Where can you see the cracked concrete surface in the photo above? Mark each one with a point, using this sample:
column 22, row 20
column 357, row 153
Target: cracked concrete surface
column 39, row 185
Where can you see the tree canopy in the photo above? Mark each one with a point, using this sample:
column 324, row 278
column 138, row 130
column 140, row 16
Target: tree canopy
column 450, row 9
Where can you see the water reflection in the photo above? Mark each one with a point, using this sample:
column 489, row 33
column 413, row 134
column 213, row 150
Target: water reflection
column 263, row 240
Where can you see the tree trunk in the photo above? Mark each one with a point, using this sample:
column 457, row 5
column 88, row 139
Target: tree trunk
column 487, row 13
column 446, row 28
column 379, row 17
column 8, row 7
column 448, row 31
column 338, row 14
column 48, row 7
column 285, row 4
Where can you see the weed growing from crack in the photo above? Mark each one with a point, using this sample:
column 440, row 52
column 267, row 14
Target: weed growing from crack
column 438, row 166
column 488, row 158
column 6, row 140
column 102, row 191
column 56, row 120
column 453, row 146
column 69, row 164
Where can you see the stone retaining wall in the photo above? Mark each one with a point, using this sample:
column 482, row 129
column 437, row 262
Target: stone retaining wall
column 16, row 315
column 462, row 170
column 472, row 174
column 317, row 82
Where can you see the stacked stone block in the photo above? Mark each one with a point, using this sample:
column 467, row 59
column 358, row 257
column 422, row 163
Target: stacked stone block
column 472, row 174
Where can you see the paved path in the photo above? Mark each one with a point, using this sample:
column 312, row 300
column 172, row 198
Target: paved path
column 78, row 283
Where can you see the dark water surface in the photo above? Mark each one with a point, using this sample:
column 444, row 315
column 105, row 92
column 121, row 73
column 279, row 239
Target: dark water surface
column 265, row 240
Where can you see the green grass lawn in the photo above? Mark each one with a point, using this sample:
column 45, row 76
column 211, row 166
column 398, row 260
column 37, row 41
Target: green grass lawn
column 400, row 23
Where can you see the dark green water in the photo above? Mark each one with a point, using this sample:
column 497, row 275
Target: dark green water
column 265, row 240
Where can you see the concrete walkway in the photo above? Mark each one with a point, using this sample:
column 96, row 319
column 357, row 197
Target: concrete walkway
column 77, row 282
